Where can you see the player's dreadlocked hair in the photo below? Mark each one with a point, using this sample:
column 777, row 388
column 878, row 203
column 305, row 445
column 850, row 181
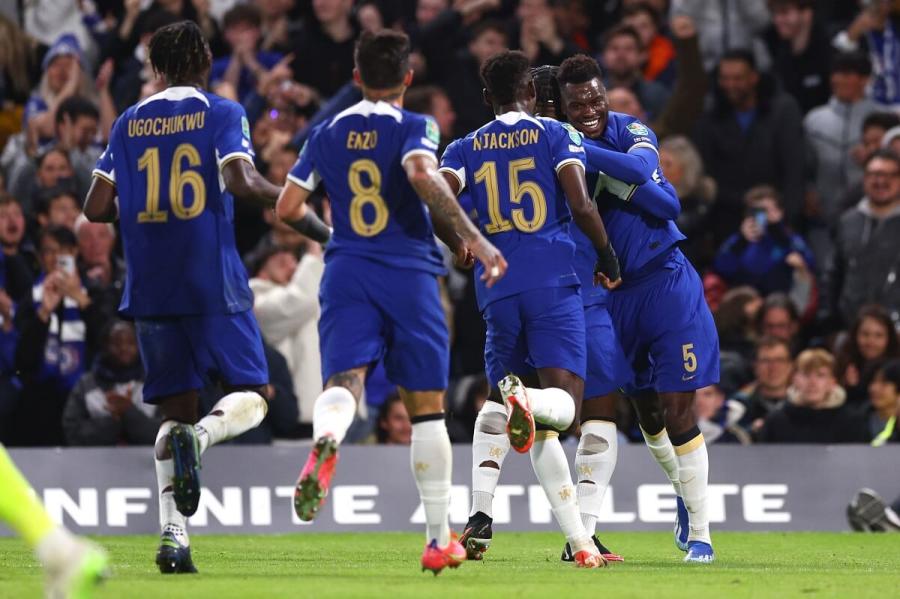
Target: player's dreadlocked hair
column 503, row 75
column 578, row 69
column 179, row 52
column 382, row 58
column 547, row 86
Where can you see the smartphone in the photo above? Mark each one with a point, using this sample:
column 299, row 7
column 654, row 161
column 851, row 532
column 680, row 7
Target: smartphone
column 66, row 263
column 759, row 216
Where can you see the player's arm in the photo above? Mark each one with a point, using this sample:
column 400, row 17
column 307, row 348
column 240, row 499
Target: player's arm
column 635, row 166
column 433, row 188
column 587, row 218
column 100, row 204
column 657, row 200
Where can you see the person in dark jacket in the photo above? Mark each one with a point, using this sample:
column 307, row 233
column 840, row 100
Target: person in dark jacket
column 752, row 135
column 105, row 407
column 772, row 369
column 766, row 252
column 866, row 265
column 816, row 410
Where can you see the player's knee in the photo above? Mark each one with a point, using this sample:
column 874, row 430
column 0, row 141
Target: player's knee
column 592, row 444
column 489, row 464
column 491, row 423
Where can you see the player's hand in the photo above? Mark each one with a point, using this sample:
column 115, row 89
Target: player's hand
column 607, row 271
column 494, row 263
column 463, row 257
column 751, row 230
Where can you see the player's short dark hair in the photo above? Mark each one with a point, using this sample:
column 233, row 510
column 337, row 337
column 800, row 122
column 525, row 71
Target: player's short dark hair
column 64, row 236
column 504, row 73
column 74, row 107
column 580, row 68
column 546, row 84
column 179, row 52
column 739, row 55
column 851, row 62
column 623, row 31
column 882, row 120
column 382, row 58
column 242, row 13
column 883, row 154
column 645, row 8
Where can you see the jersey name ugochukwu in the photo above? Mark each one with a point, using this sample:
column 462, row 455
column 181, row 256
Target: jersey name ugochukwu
column 165, row 156
column 509, row 168
column 377, row 214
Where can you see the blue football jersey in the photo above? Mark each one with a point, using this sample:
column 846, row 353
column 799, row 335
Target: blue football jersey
column 637, row 236
column 358, row 155
column 509, row 168
column 165, row 156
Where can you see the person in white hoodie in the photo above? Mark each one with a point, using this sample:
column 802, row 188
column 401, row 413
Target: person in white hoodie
column 286, row 305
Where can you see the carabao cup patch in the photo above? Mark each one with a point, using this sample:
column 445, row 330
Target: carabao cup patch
column 431, row 131
column 574, row 134
column 245, row 127
column 638, row 128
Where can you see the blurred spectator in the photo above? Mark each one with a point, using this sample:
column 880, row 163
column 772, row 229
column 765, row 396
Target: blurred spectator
column 394, row 426
column 780, row 319
column 58, row 330
column 324, row 50
column 19, row 254
column 102, row 271
column 106, row 405
column 433, row 100
column 660, row 52
column 876, row 30
column 718, row 417
column 16, row 65
column 724, row 25
column 735, row 319
column 766, row 253
column 462, row 80
column 772, row 370
column 816, row 409
column 538, row 36
column 286, row 305
column 57, row 206
column 77, row 126
column 368, row 15
column 834, row 129
column 53, row 168
column 870, row 341
column 874, row 131
column 683, row 167
column 461, row 422
column 800, row 47
column 622, row 57
column 247, row 63
column 891, row 140
column 63, row 77
column 752, row 136
column 884, row 400
column 867, row 243
column 275, row 26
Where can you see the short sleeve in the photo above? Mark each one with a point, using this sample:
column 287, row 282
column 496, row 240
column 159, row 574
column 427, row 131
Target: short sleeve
column 452, row 162
column 421, row 136
column 637, row 135
column 566, row 144
column 232, row 139
column 304, row 173
column 105, row 167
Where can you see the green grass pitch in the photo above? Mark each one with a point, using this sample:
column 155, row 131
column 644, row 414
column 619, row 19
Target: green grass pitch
column 811, row 565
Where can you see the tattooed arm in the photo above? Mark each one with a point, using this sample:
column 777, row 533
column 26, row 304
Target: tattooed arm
column 434, row 190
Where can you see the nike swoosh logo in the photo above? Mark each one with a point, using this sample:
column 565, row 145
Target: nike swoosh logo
column 687, row 378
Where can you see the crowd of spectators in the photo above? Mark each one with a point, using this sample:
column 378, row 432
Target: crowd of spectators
column 779, row 126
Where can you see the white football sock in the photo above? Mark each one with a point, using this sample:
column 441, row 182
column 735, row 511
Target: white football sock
column 55, row 548
column 170, row 519
column 431, row 458
column 490, row 444
column 595, row 461
column 552, row 470
column 232, row 415
column 552, row 406
column 333, row 413
column 663, row 452
column 693, row 474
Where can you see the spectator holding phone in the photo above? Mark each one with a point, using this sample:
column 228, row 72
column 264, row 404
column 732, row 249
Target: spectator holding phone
column 766, row 253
